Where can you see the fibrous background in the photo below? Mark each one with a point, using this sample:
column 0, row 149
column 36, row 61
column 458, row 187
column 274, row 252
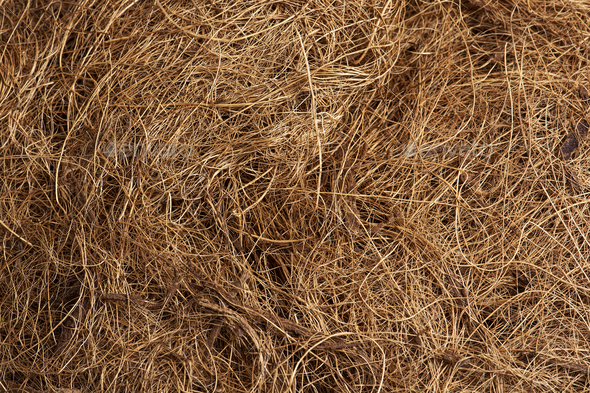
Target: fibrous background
column 294, row 196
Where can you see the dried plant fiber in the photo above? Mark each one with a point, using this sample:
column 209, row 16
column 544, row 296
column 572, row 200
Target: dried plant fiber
column 294, row 196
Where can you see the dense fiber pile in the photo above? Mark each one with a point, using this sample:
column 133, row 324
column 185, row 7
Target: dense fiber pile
column 273, row 196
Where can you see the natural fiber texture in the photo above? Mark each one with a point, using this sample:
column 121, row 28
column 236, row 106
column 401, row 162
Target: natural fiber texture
column 322, row 196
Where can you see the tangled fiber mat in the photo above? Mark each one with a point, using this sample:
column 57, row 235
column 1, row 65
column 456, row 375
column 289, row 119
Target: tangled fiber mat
column 294, row 196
